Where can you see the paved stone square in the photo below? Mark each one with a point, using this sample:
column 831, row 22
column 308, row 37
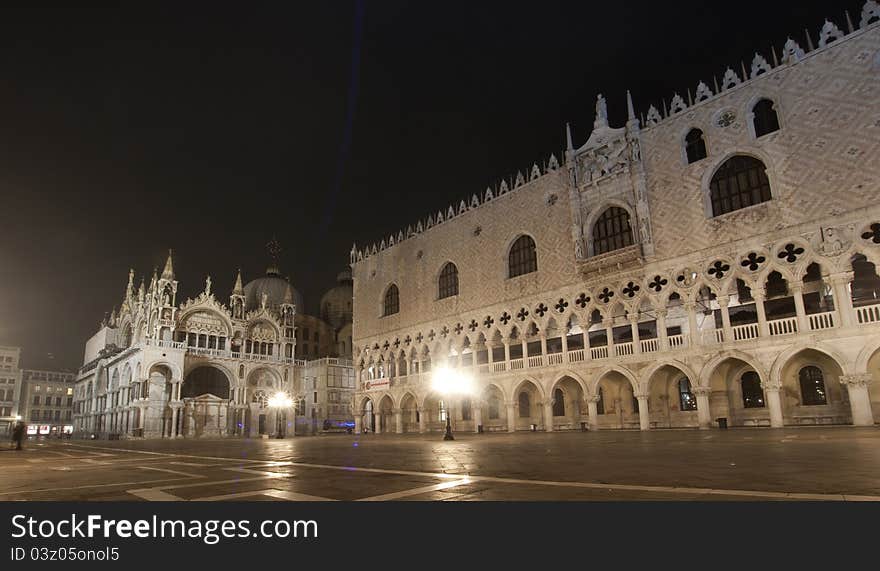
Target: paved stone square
column 828, row 463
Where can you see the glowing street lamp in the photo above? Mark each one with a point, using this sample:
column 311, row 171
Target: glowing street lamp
column 279, row 402
column 450, row 382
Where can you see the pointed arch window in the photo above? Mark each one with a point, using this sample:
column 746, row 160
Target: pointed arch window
column 524, row 405
column 695, row 146
column 392, row 300
column 764, row 118
column 523, row 257
column 739, row 182
column 612, row 231
column 812, row 383
column 752, row 393
column 558, row 403
column 448, row 282
column 686, row 397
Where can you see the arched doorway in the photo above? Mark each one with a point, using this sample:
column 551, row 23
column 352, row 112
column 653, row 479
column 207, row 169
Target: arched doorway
column 568, row 399
column 811, row 390
column 737, row 392
column 205, row 394
column 617, row 406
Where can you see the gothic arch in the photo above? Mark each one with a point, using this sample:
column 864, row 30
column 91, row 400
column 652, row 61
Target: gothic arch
column 199, row 308
column 593, row 216
column 648, row 374
column 783, row 359
column 613, row 369
column 716, row 162
column 709, row 367
column 868, row 351
column 572, row 375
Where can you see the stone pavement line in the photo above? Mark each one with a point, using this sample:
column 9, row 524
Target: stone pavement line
column 155, row 495
column 275, row 493
column 592, row 485
column 88, row 486
column 415, row 491
column 171, row 471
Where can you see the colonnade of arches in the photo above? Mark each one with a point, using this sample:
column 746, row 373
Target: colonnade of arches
column 805, row 385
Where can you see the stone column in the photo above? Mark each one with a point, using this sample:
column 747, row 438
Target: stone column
column 564, row 339
column 803, row 323
column 704, row 412
column 478, row 415
column 507, row 352
column 358, row 421
column 593, row 411
column 398, row 421
column 634, row 328
column 175, row 413
column 644, row 417
column 422, row 422
column 548, row 415
column 724, row 302
column 842, row 298
column 859, row 399
column 763, row 329
column 774, row 403
column 694, row 335
column 511, row 417
column 377, row 422
column 662, row 336
column 543, row 337
column 525, row 351
column 609, row 335
column 489, row 357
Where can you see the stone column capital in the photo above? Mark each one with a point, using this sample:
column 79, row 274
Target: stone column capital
column 840, row 277
column 592, row 398
column 723, row 300
column 661, row 312
column 701, row 391
column 771, row 386
column 857, row 380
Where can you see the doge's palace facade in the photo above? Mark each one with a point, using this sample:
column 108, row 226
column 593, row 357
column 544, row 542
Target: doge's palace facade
column 713, row 258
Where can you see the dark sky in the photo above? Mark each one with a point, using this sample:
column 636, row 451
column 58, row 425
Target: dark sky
column 209, row 130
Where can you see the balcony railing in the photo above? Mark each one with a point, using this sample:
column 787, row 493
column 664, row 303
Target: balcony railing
column 745, row 332
column 819, row 321
column 784, row 326
column 868, row 314
column 650, row 345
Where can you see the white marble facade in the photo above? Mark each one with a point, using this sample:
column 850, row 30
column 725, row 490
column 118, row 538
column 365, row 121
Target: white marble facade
column 712, row 258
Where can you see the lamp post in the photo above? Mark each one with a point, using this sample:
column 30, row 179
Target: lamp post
column 279, row 402
column 450, row 382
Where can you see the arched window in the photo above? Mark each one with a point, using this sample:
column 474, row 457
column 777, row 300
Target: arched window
column 694, row 146
column 524, row 405
column 448, row 281
column 765, row 118
column 558, row 403
column 740, row 182
column 523, row 257
column 753, row 394
column 686, row 397
column 600, row 404
column 392, row 300
column 612, row 231
column 812, row 386
column 466, row 409
column 494, row 408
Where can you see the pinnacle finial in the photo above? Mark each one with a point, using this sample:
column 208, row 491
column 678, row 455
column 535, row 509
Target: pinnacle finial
column 238, row 289
column 630, row 110
column 288, row 293
column 168, row 272
column 601, row 113
column 569, row 146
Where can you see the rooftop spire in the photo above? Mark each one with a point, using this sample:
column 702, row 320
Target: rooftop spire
column 168, row 272
column 288, row 294
column 238, row 289
column 630, row 111
column 568, row 144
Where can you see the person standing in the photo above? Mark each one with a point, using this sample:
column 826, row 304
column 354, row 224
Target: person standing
column 18, row 434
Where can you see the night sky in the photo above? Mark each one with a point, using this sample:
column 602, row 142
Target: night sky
column 206, row 130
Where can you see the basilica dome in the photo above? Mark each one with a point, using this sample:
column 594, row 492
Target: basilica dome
column 274, row 286
column 336, row 303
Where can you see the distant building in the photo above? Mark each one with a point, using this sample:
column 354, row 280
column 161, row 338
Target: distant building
column 202, row 368
column 10, row 387
column 46, row 402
